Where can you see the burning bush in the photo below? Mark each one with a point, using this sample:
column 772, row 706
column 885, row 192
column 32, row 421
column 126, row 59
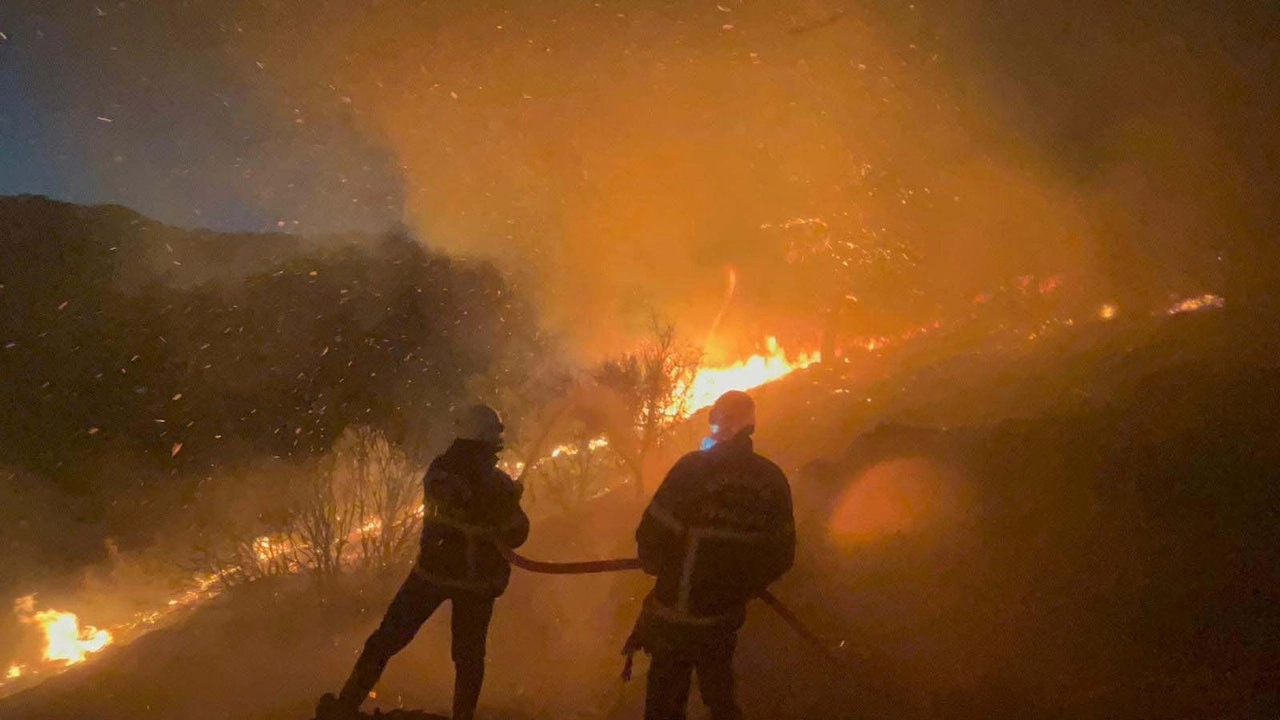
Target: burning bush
column 359, row 506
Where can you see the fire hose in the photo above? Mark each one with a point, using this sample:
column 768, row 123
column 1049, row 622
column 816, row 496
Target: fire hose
column 587, row 567
column 590, row 567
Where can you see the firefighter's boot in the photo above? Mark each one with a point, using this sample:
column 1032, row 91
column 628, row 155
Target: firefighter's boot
column 332, row 707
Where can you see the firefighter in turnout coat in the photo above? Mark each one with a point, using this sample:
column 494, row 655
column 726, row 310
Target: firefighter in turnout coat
column 469, row 505
column 717, row 533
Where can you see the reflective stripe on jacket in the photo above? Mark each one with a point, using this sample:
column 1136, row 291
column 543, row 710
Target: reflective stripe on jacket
column 469, row 504
column 718, row 532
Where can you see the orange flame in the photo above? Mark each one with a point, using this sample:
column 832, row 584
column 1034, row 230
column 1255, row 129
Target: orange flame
column 1195, row 304
column 710, row 383
column 65, row 640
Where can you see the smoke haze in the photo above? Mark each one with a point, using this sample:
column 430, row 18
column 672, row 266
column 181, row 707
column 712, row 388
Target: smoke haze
column 619, row 157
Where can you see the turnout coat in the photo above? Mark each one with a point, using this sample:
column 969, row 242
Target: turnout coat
column 468, row 504
column 717, row 533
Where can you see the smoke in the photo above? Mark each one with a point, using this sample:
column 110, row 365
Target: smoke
column 626, row 156
column 618, row 157
column 1156, row 119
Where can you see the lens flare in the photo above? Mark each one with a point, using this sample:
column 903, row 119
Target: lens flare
column 903, row 496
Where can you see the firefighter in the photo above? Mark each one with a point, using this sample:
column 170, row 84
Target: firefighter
column 717, row 533
column 469, row 504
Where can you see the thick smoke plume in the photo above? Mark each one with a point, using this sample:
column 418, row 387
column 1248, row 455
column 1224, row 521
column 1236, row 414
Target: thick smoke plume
column 621, row 156
column 627, row 154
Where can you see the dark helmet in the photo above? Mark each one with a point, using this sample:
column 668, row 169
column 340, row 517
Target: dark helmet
column 480, row 422
column 733, row 413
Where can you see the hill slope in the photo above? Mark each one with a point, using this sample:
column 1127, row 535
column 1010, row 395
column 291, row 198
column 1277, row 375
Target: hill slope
column 1088, row 559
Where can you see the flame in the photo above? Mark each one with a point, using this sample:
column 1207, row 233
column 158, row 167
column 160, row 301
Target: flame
column 70, row 643
column 877, row 511
column 724, row 304
column 1196, row 304
column 65, row 640
column 267, row 549
column 711, row 383
column 571, row 449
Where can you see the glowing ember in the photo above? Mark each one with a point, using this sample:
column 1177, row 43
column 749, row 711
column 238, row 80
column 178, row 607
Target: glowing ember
column 757, row 370
column 1196, row 304
column 65, row 640
column 1108, row 312
column 14, row 672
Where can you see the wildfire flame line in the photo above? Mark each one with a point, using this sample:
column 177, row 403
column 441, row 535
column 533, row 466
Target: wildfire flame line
column 710, row 383
column 69, row 643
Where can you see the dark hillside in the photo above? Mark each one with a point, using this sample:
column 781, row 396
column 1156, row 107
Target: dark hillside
column 128, row 381
column 1112, row 562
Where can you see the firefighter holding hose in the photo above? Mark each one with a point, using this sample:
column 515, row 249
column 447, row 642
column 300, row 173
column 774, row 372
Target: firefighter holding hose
column 717, row 533
column 470, row 507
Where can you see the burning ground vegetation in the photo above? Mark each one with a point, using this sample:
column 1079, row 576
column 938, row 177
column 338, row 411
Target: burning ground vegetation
column 999, row 275
column 999, row 517
column 934, row 469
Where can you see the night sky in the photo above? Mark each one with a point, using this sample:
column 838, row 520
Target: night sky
column 133, row 104
column 625, row 153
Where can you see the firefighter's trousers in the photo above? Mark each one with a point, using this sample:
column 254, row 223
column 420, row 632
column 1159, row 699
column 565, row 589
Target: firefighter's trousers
column 415, row 602
column 674, row 660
